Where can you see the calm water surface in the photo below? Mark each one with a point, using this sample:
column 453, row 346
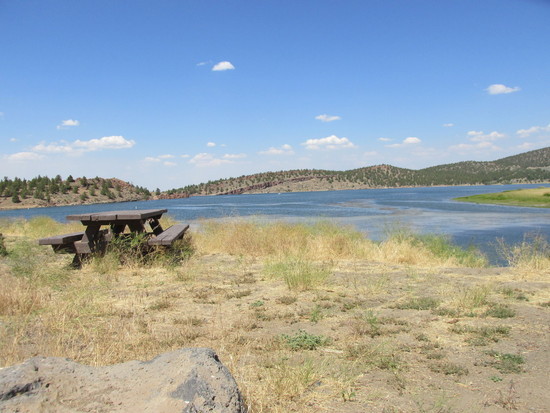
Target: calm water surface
column 373, row 211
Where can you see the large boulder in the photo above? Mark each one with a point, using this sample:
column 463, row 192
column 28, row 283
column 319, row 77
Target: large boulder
column 188, row 380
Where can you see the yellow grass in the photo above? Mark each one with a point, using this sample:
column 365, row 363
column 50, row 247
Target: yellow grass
column 223, row 298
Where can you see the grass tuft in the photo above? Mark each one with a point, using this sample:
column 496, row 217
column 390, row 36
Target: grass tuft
column 298, row 273
column 302, row 340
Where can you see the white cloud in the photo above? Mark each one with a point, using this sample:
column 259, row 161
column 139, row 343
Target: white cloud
column 385, row 139
column 221, row 66
column 211, row 144
column 24, row 156
column 167, row 156
column 464, row 148
column 168, row 163
column 185, row 156
column 525, row 133
column 329, row 143
column 204, row 63
column 499, row 89
column 13, row 139
column 478, row 136
column 234, row 156
column 448, row 125
column 68, row 123
column 55, row 147
column 327, row 118
column 208, row 160
column 151, row 159
column 107, row 142
column 78, row 147
column 411, row 140
column 283, row 150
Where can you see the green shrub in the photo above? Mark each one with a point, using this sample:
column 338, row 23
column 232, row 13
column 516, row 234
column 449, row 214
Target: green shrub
column 303, row 340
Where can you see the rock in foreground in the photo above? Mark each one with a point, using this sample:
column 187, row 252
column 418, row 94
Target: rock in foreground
column 187, row 380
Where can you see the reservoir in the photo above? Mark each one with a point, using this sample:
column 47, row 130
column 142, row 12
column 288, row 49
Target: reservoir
column 375, row 212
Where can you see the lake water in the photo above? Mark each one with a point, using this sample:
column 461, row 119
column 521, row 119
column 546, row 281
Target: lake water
column 372, row 211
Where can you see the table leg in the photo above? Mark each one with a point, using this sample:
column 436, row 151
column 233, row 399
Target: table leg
column 92, row 240
column 155, row 226
column 138, row 227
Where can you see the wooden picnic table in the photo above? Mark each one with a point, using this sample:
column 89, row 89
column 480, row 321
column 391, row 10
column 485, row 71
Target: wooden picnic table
column 95, row 238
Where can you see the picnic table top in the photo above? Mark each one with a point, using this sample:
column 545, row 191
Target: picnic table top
column 113, row 216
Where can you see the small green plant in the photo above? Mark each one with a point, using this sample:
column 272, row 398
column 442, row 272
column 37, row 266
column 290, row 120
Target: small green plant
column 257, row 304
column 367, row 324
column 506, row 363
column 418, row 303
column 449, row 369
column 302, row 340
column 316, row 314
column 481, row 336
column 496, row 379
column 500, row 311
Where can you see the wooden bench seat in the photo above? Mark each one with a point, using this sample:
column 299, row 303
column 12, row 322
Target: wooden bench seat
column 62, row 243
column 168, row 236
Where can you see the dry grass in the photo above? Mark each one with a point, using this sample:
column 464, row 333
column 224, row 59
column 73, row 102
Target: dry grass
column 367, row 335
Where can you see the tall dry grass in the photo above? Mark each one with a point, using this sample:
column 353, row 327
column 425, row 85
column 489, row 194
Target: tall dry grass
column 531, row 257
column 327, row 241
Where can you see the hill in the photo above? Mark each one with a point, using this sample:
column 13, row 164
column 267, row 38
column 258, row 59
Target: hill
column 43, row 191
column 528, row 167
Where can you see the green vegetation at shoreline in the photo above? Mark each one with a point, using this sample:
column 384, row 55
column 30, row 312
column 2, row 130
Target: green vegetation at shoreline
column 535, row 197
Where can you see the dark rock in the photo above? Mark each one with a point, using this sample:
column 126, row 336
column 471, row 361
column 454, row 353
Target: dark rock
column 187, row 380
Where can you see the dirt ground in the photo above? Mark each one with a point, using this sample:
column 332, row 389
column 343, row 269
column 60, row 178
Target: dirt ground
column 372, row 338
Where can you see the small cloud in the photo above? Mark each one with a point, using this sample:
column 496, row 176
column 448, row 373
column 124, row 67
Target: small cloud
column 499, row 89
column 385, row 139
column 448, row 125
column 24, row 156
column 221, row 66
column 208, row 160
column 525, row 133
column 234, row 156
column 170, row 164
column 68, row 123
column 151, row 159
column 211, row 144
column 283, row 150
column 185, row 156
column 78, row 146
column 464, row 148
column 55, row 147
column 166, row 156
column 478, row 136
column 411, row 140
column 107, row 142
column 13, row 139
column 327, row 118
column 329, row 143
column 204, row 63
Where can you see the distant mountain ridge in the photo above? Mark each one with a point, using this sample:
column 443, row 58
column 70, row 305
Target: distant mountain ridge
column 528, row 167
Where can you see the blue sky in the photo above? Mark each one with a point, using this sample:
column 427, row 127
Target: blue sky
column 170, row 93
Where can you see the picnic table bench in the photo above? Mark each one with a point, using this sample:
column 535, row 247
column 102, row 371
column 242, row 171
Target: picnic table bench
column 95, row 239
